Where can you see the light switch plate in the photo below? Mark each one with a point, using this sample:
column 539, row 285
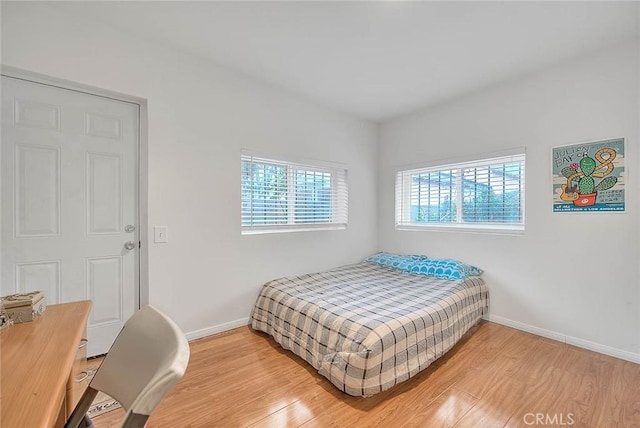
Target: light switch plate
column 161, row 234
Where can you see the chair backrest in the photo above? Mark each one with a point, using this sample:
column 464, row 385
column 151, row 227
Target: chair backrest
column 148, row 357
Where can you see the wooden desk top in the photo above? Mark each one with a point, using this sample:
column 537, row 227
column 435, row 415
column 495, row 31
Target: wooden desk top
column 36, row 359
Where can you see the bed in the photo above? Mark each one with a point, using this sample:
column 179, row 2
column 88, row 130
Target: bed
column 367, row 327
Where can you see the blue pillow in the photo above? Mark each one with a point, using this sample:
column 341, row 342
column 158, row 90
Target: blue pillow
column 444, row 269
column 394, row 261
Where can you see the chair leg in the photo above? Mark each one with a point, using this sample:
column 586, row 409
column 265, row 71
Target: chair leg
column 80, row 411
column 86, row 422
column 135, row 420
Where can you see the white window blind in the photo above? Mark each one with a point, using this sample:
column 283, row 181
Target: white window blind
column 483, row 194
column 286, row 196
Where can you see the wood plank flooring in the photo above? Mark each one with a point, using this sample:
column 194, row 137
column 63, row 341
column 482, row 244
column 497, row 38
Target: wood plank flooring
column 495, row 377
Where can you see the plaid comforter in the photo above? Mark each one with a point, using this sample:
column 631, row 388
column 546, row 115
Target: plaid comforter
column 367, row 328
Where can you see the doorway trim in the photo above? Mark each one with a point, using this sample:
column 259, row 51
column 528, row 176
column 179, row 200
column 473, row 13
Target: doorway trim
column 143, row 155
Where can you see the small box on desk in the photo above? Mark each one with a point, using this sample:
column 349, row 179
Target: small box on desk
column 23, row 307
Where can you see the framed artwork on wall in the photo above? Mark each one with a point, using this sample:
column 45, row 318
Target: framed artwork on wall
column 589, row 177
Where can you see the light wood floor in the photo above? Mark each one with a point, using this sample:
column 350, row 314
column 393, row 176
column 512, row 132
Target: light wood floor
column 494, row 377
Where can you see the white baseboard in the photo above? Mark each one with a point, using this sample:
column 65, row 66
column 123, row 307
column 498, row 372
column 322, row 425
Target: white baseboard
column 208, row 331
column 570, row 340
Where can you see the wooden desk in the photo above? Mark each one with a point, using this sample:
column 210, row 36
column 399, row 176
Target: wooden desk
column 36, row 366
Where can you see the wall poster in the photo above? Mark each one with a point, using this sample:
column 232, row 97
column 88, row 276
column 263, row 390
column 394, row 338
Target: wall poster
column 589, row 177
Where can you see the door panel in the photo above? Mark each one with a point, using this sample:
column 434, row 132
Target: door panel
column 104, row 287
column 69, row 168
column 37, row 191
column 43, row 275
column 104, row 201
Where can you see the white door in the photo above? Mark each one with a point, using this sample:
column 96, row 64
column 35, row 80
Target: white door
column 69, row 168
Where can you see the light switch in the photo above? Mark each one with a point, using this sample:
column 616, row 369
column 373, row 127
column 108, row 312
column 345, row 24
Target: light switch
column 161, row 234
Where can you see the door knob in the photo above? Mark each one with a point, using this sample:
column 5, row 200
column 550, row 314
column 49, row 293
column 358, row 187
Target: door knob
column 129, row 245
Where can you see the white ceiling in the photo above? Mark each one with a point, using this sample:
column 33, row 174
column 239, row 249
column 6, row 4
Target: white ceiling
column 376, row 60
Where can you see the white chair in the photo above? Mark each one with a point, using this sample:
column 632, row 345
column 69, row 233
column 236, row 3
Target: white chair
column 147, row 359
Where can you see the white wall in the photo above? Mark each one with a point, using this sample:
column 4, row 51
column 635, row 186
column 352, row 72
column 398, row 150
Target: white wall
column 571, row 275
column 200, row 116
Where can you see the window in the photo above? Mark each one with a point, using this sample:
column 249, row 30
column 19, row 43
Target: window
column 485, row 194
column 284, row 196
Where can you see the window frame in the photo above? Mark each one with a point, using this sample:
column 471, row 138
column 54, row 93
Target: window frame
column 403, row 194
column 339, row 194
